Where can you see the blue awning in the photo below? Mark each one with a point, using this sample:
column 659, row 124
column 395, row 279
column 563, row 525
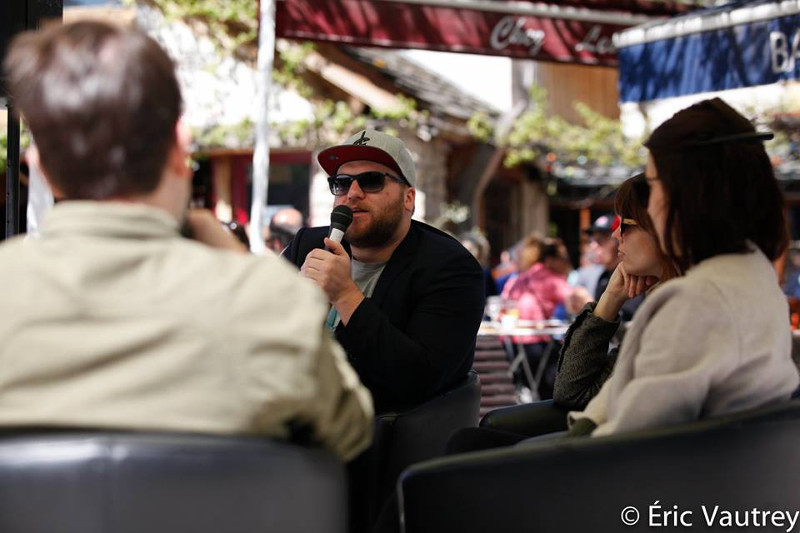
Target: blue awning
column 737, row 45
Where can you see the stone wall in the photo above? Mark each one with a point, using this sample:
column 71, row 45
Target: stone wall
column 431, row 161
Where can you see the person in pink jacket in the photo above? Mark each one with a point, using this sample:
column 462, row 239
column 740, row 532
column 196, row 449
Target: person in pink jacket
column 538, row 291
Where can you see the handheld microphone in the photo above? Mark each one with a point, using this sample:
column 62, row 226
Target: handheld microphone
column 341, row 217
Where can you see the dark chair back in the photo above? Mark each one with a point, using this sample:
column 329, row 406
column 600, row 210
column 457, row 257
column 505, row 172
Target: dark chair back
column 529, row 419
column 737, row 462
column 126, row 483
column 402, row 439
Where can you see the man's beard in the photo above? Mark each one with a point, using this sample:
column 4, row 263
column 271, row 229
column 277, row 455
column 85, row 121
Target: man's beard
column 382, row 228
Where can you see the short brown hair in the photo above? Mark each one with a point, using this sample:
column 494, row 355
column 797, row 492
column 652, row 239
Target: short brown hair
column 719, row 183
column 529, row 252
column 102, row 102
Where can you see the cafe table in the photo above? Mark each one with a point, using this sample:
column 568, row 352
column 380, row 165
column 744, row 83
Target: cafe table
column 509, row 327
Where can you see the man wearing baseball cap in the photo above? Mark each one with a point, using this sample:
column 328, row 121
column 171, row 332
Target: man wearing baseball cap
column 406, row 299
column 604, row 248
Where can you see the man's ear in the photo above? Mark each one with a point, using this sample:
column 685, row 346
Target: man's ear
column 35, row 161
column 178, row 161
column 409, row 198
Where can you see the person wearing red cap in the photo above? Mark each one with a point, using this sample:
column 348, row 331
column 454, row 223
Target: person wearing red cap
column 604, row 249
column 585, row 362
column 406, row 299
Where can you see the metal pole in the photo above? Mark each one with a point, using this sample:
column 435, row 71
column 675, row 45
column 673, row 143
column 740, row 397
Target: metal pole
column 21, row 15
column 266, row 56
column 12, row 174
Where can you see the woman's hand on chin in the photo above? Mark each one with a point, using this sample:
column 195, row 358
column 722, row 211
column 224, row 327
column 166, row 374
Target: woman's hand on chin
column 636, row 285
column 621, row 287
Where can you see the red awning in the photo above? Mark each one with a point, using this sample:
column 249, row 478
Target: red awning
column 560, row 32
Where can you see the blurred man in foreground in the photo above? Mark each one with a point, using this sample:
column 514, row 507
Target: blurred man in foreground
column 111, row 319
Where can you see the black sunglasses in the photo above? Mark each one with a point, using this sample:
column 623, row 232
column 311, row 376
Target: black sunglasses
column 370, row 182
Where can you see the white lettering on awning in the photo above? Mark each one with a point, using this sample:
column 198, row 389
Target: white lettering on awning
column 783, row 53
column 511, row 31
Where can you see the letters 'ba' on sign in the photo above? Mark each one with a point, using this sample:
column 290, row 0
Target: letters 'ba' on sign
column 749, row 54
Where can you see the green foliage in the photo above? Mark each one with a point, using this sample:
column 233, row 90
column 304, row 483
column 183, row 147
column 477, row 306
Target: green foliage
column 335, row 120
column 540, row 137
column 339, row 118
column 568, row 150
column 406, row 109
column 233, row 26
column 225, row 135
column 231, row 23
column 605, row 141
column 480, row 127
column 290, row 66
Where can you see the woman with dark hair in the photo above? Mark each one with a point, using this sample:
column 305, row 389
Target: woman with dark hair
column 717, row 339
column 585, row 362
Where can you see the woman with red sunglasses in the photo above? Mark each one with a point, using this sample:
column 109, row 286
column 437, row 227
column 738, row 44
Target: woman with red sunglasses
column 715, row 340
column 585, row 362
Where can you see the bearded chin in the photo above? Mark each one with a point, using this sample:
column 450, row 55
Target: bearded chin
column 373, row 236
column 378, row 233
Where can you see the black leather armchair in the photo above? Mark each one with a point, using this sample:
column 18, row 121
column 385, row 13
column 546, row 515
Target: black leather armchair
column 737, row 462
column 402, row 439
column 529, row 419
column 124, row 483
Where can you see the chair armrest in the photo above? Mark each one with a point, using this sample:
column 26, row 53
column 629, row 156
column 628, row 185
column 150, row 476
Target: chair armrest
column 530, row 419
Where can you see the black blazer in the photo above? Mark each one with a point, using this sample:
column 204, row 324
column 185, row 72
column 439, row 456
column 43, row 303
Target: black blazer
column 415, row 337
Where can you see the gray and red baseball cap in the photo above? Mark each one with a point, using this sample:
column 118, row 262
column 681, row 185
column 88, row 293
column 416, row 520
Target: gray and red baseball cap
column 370, row 145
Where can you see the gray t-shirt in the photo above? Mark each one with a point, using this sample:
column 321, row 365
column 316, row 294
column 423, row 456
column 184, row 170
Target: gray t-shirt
column 365, row 276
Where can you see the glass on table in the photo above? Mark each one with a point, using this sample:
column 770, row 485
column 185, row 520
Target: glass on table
column 494, row 306
column 510, row 314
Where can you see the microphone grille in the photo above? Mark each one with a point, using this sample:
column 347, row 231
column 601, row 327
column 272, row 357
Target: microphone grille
column 341, row 216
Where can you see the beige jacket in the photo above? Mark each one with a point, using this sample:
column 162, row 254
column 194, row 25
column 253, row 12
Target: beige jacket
column 112, row 320
column 715, row 341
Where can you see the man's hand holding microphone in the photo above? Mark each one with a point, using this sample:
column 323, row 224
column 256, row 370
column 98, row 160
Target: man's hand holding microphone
column 330, row 268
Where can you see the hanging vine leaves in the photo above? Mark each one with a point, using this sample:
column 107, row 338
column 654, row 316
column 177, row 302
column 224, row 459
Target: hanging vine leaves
column 232, row 24
column 540, row 137
column 568, row 150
